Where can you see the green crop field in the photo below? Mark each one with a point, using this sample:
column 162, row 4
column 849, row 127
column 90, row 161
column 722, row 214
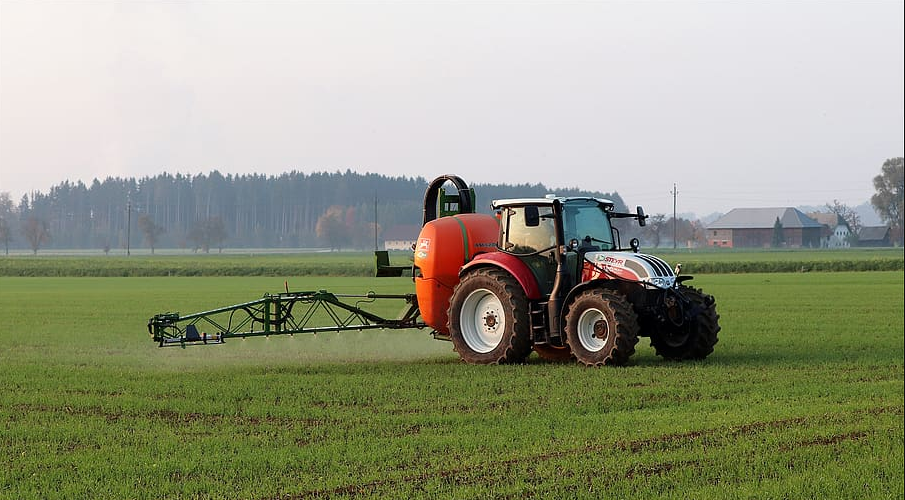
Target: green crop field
column 256, row 263
column 802, row 398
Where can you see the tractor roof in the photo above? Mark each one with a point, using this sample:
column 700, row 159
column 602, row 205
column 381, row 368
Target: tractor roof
column 548, row 200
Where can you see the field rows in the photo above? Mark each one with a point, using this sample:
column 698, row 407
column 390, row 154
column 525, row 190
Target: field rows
column 803, row 398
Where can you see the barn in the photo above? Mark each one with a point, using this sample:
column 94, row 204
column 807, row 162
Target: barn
column 758, row 228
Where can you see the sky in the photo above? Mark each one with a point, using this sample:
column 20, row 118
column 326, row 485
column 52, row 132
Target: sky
column 735, row 103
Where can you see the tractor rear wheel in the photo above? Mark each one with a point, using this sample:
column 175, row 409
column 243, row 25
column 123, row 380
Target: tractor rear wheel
column 601, row 328
column 695, row 339
column 488, row 318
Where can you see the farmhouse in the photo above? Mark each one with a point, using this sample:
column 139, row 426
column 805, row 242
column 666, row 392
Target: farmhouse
column 401, row 237
column 758, row 228
column 836, row 233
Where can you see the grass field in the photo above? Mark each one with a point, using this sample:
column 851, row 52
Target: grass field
column 802, row 398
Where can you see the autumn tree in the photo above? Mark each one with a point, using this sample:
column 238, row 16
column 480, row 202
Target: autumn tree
column 698, row 233
column 361, row 233
column 887, row 202
column 331, row 227
column 150, row 230
column 36, row 232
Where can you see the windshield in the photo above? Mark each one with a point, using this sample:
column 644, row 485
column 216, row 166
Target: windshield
column 582, row 218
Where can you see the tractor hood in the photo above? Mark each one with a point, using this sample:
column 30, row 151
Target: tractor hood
column 629, row 266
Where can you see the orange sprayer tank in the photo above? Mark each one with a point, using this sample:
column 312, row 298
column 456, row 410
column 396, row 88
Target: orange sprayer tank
column 443, row 247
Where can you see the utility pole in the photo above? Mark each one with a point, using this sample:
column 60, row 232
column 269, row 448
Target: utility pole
column 675, row 192
column 129, row 228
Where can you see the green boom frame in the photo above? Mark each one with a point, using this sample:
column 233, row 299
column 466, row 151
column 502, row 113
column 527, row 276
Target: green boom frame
column 280, row 314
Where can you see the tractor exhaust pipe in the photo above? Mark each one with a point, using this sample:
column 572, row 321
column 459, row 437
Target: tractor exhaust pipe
column 555, row 304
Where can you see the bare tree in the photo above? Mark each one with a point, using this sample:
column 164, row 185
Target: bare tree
column 208, row 233
column 850, row 217
column 216, row 233
column 655, row 226
column 36, row 232
column 151, row 231
column 687, row 232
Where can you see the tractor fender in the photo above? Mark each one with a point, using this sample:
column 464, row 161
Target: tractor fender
column 581, row 287
column 512, row 265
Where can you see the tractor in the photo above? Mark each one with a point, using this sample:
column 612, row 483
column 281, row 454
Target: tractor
column 549, row 274
column 544, row 274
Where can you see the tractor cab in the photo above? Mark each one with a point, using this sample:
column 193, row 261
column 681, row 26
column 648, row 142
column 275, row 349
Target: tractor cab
column 542, row 232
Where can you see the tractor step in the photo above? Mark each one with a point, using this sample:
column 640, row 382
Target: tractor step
column 537, row 315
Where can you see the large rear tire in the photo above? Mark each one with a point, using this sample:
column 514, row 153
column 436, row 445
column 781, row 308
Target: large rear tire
column 695, row 340
column 601, row 328
column 488, row 318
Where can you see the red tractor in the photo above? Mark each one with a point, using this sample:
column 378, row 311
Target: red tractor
column 549, row 274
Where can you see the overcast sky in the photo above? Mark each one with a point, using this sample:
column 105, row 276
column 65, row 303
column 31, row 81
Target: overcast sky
column 740, row 103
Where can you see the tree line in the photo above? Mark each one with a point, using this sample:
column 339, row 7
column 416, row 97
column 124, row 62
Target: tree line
column 298, row 210
column 214, row 211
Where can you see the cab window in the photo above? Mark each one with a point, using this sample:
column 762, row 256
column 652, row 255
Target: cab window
column 529, row 229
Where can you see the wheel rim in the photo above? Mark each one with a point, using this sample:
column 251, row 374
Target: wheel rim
column 482, row 321
column 593, row 330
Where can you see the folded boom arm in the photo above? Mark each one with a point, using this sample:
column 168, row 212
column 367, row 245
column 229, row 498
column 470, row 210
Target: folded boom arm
column 280, row 314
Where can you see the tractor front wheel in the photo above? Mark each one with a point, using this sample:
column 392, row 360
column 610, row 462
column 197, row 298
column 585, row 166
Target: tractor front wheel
column 696, row 338
column 601, row 328
column 488, row 318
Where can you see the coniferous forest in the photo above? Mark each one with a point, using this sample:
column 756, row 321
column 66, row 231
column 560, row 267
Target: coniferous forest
column 215, row 211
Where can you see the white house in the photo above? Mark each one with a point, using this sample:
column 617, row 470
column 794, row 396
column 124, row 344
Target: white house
column 836, row 233
column 401, row 237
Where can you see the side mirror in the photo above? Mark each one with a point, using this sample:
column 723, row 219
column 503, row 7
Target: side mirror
column 642, row 219
column 634, row 243
column 532, row 216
